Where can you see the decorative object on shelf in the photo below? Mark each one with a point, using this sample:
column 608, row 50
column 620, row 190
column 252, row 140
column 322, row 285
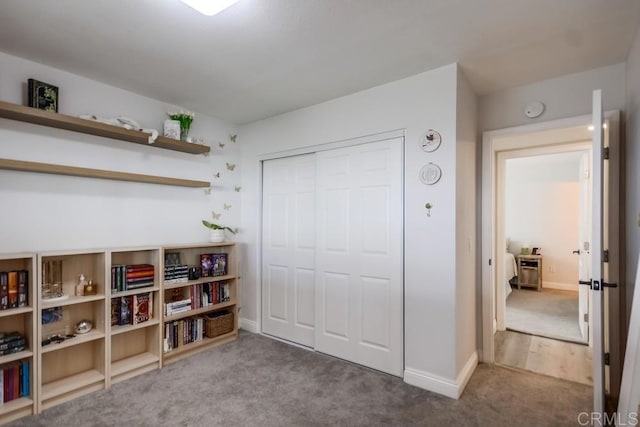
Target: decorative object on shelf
column 430, row 141
column 52, row 289
column 535, row 251
column 172, row 258
column 430, row 174
column 185, row 118
column 171, row 129
column 84, row 326
column 82, row 282
column 428, row 207
column 90, row 288
column 122, row 122
column 217, row 231
column 525, row 249
column 43, row 96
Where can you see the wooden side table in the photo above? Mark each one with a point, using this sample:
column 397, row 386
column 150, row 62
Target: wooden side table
column 530, row 271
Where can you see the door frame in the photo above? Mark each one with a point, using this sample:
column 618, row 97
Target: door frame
column 382, row 136
column 528, row 137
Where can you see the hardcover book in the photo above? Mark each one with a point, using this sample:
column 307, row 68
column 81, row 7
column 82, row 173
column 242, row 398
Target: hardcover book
column 142, row 307
column 13, row 289
column 115, row 311
column 125, row 310
column 219, row 267
column 4, row 290
column 23, row 286
column 206, row 264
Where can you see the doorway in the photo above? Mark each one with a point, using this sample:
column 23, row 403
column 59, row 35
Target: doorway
column 543, row 194
column 531, row 137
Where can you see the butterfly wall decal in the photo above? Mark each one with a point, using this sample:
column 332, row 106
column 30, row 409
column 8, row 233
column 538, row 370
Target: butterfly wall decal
column 231, row 166
column 215, row 215
column 237, row 188
column 233, row 138
column 221, row 145
column 207, row 191
column 216, row 175
column 227, row 207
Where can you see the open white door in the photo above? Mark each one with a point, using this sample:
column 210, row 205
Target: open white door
column 597, row 248
column 584, row 246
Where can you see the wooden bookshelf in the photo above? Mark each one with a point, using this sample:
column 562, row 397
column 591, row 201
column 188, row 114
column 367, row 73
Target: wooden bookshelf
column 70, row 387
column 190, row 255
column 21, row 320
column 75, row 124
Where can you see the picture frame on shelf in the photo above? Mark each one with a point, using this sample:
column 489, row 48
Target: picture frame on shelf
column 171, row 129
column 43, row 96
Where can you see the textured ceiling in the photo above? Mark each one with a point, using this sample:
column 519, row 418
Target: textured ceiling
column 260, row 58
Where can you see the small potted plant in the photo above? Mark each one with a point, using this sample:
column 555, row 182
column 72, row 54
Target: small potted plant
column 217, row 231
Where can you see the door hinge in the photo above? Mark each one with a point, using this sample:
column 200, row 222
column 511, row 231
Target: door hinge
column 605, row 255
column 489, row 261
column 605, row 153
column 607, row 359
column 586, row 318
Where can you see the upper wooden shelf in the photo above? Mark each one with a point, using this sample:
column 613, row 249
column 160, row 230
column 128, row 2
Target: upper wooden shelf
column 90, row 127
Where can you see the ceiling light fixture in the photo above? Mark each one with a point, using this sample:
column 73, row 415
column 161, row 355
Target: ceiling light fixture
column 209, row 7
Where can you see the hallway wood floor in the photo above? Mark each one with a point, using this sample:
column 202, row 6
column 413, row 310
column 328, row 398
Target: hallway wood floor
column 559, row 359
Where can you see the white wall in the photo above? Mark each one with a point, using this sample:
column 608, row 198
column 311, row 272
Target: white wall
column 566, row 96
column 415, row 104
column 632, row 155
column 48, row 212
column 542, row 207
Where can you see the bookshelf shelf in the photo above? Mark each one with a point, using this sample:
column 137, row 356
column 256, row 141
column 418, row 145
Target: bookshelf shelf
column 198, row 311
column 14, row 311
column 134, row 292
column 8, row 407
column 15, row 356
column 77, row 340
column 186, row 350
column 75, row 124
column 71, row 383
column 123, row 329
column 134, row 363
column 71, row 301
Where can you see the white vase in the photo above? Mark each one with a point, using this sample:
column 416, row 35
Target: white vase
column 216, row 236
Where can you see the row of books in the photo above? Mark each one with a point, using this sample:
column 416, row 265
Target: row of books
column 15, row 381
column 214, row 265
column 14, row 288
column 12, row 342
column 128, row 277
column 182, row 332
column 199, row 296
column 132, row 309
column 177, row 273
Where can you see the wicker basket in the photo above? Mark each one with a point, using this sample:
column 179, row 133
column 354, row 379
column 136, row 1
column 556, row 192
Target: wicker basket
column 218, row 325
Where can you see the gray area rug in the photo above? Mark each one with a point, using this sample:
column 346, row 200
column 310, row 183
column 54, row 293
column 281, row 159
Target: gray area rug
column 257, row 381
column 551, row 313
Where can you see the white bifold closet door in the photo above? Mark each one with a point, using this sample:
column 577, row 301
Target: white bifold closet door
column 332, row 252
column 288, row 248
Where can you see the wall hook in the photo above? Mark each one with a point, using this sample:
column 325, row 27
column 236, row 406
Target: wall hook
column 428, row 206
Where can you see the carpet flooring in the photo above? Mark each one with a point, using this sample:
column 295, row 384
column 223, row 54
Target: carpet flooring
column 257, row 381
column 551, row 313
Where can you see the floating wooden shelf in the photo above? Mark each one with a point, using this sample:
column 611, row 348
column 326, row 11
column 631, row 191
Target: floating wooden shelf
column 24, row 166
column 90, row 127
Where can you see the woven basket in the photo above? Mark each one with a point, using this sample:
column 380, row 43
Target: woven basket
column 219, row 325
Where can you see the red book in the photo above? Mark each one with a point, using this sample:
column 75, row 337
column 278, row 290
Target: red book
column 6, row 374
column 16, row 381
column 138, row 267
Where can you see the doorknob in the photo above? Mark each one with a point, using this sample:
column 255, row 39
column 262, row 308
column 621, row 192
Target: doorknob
column 576, row 252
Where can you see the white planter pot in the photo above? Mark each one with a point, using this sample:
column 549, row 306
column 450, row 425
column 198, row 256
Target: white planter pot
column 216, row 236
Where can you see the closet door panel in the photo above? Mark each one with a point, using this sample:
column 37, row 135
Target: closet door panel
column 288, row 249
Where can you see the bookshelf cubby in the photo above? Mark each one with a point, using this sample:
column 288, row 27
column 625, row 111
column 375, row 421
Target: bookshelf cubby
column 70, row 364
column 21, row 320
column 190, row 255
column 134, row 348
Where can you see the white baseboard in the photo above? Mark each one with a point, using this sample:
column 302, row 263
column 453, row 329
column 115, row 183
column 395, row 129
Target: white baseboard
column 560, row 286
column 249, row 325
column 440, row 385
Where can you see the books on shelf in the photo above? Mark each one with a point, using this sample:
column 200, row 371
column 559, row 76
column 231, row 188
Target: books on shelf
column 214, row 265
column 178, row 273
column 15, row 381
column 14, row 289
column 198, row 296
column 132, row 309
column 11, row 342
column 130, row 277
column 183, row 332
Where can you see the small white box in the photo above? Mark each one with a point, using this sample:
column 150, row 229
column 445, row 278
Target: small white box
column 172, row 129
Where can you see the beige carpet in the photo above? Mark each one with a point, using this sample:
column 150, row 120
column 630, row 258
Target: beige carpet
column 551, row 313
